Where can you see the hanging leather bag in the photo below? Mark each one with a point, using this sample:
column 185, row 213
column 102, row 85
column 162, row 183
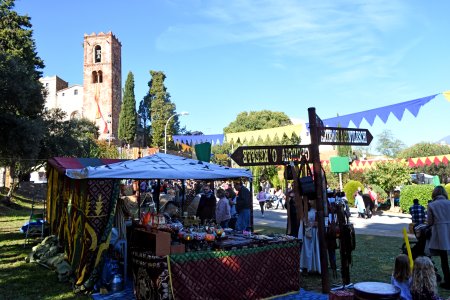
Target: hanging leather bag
column 305, row 180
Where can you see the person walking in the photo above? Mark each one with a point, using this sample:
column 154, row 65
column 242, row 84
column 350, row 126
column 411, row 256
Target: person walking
column 417, row 211
column 438, row 217
column 280, row 197
column 261, row 197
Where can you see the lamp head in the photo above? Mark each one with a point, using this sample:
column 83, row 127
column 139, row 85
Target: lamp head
column 184, row 113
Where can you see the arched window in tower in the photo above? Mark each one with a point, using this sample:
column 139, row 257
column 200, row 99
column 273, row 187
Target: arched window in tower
column 98, row 54
column 100, row 76
column 94, row 77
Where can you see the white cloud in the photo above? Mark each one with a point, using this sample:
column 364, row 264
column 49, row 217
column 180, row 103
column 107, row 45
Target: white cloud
column 346, row 35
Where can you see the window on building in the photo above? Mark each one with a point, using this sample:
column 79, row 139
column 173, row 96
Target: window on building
column 100, row 76
column 46, row 84
column 98, row 54
column 94, row 77
column 63, row 94
column 75, row 92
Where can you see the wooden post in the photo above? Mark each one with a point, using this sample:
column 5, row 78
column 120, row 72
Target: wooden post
column 318, row 180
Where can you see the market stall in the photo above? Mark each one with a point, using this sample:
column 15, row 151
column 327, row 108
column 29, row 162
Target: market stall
column 83, row 209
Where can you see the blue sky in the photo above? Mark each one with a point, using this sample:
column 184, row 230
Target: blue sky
column 225, row 57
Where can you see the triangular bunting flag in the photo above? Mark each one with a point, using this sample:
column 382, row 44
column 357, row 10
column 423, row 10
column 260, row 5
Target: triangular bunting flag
column 446, row 95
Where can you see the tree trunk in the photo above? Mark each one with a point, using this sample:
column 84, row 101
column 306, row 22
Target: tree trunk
column 391, row 196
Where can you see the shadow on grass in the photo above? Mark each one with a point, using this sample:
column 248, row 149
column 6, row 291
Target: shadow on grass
column 30, row 281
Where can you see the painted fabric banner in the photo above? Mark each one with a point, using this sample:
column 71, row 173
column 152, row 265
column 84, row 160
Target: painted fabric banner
column 81, row 214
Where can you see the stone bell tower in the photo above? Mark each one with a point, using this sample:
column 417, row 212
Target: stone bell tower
column 102, row 82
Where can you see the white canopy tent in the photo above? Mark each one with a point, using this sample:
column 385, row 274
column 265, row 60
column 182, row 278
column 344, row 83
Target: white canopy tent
column 159, row 166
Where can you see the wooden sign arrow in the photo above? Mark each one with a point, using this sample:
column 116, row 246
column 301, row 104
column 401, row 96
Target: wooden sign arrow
column 268, row 155
column 345, row 136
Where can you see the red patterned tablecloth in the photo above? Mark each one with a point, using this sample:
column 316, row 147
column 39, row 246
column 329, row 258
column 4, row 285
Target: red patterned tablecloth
column 251, row 273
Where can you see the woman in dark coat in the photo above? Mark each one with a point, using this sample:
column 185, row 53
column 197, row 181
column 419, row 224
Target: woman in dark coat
column 206, row 209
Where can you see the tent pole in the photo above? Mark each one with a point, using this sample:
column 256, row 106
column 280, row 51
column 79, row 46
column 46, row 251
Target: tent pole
column 183, row 195
column 157, row 192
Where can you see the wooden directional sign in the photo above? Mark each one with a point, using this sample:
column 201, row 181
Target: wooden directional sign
column 268, row 155
column 345, row 136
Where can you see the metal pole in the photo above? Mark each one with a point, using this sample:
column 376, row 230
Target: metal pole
column 184, row 113
column 318, row 179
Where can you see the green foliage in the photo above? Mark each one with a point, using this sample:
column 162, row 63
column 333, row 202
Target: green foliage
column 144, row 118
column 332, row 178
column 256, row 120
column 428, row 149
column 358, row 176
column 388, row 145
column 388, row 174
column 102, row 149
column 21, row 93
column 225, row 148
column 350, row 189
column 161, row 110
column 415, row 191
column 128, row 117
column 382, row 195
column 265, row 119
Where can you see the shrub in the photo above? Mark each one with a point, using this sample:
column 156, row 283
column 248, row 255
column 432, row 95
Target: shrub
column 350, row 188
column 447, row 188
column 419, row 191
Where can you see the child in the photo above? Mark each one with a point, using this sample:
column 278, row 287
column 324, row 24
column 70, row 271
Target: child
column 424, row 286
column 401, row 277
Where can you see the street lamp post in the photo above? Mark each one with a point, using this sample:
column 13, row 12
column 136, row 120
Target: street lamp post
column 184, row 113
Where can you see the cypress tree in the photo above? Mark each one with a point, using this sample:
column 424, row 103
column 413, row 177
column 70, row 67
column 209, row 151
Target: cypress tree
column 128, row 116
column 161, row 109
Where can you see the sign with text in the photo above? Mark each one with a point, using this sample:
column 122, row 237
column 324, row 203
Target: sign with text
column 268, row 155
column 345, row 136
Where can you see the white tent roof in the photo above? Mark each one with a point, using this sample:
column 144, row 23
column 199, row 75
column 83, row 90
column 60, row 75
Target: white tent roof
column 159, row 166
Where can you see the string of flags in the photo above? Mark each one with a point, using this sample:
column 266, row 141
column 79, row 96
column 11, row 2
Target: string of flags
column 383, row 113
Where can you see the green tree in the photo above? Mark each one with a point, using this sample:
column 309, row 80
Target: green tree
column 389, row 175
column 21, row 93
column 145, row 119
column 71, row 138
column 257, row 120
column 388, row 145
column 428, row 149
column 127, row 117
column 161, row 110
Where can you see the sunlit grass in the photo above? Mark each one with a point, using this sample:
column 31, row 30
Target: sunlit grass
column 373, row 260
column 19, row 279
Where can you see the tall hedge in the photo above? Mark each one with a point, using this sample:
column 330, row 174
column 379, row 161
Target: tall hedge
column 350, row 188
column 447, row 188
column 410, row 192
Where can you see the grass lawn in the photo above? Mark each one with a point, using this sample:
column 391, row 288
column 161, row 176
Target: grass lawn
column 373, row 260
column 18, row 279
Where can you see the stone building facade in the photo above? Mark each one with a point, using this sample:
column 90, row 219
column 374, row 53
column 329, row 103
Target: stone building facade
column 99, row 98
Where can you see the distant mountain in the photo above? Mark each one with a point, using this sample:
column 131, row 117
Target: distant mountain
column 445, row 140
